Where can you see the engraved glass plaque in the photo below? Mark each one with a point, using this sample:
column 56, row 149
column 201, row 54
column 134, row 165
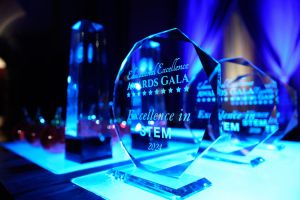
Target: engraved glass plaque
column 246, row 111
column 154, row 105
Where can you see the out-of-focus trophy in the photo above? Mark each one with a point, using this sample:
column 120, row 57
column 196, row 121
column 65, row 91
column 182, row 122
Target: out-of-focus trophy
column 246, row 112
column 87, row 118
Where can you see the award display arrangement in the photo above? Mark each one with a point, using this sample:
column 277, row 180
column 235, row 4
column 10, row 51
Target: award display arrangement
column 154, row 100
column 88, row 109
column 246, row 112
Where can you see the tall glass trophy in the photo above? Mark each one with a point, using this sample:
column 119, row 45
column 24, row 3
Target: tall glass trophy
column 87, row 118
column 246, row 111
column 155, row 100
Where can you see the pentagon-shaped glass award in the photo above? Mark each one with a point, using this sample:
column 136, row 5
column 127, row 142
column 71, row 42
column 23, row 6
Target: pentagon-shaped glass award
column 246, row 111
column 155, row 105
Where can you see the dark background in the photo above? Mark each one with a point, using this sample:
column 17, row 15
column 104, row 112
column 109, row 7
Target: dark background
column 35, row 46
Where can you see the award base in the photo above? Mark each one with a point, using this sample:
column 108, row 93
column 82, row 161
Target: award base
column 168, row 187
column 252, row 161
column 87, row 149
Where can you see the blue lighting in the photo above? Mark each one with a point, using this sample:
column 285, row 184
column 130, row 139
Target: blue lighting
column 145, row 64
column 91, row 117
column 79, row 53
column 83, row 69
column 75, row 86
column 203, row 22
column 76, row 26
column 275, row 28
column 56, row 162
column 154, row 44
column 90, row 53
column 97, row 27
column 281, row 181
column 69, row 79
column 42, row 120
column 282, row 30
column 80, row 25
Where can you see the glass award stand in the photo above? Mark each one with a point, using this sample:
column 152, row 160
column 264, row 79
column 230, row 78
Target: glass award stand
column 168, row 187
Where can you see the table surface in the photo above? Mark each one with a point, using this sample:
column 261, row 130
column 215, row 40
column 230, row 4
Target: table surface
column 22, row 179
column 280, row 175
column 277, row 178
column 57, row 164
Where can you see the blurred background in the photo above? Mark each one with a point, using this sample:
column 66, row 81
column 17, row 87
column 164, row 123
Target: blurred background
column 35, row 42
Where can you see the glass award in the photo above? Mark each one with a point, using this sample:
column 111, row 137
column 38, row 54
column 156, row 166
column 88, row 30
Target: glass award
column 246, row 111
column 88, row 109
column 154, row 105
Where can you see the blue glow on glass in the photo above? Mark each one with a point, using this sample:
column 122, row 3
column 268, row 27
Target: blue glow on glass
column 69, row 79
column 75, row 86
column 80, row 25
column 42, row 120
column 145, row 64
column 87, row 26
column 138, row 86
column 90, row 53
column 83, row 69
column 91, row 117
column 79, row 53
column 154, row 44
column 76, row 26
column 97, row 27
column 138, row 127
column 71, row 127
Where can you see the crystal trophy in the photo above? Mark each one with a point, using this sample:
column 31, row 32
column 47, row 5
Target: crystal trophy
column 88, row 109
column 245, row 113
column 154, row 103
